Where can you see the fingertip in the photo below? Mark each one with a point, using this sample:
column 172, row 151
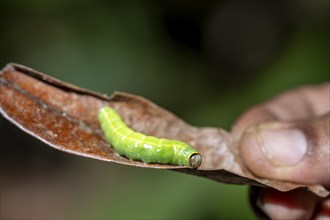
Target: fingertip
column 295, row 204
column 282, row 151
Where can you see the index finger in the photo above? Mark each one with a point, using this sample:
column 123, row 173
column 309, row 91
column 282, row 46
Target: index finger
column 301, row 103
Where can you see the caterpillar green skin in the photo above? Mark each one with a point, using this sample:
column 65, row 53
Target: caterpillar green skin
column 149, row 149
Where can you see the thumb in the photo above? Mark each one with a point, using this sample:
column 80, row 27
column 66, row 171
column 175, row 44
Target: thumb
column 291, row 151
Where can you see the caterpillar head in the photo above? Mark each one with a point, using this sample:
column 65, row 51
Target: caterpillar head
column 195, row 160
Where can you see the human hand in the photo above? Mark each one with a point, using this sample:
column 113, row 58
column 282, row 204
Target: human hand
column 287, row 138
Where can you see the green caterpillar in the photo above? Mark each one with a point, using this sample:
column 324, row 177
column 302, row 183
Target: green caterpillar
column 149, row 149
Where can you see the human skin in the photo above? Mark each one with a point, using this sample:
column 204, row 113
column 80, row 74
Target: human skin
column 287, row 138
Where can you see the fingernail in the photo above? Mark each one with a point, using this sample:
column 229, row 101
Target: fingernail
column 283, row 146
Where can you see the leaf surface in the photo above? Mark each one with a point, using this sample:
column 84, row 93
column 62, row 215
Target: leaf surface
column 65, row 117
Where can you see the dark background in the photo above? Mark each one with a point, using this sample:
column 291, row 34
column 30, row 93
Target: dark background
column 206, row 61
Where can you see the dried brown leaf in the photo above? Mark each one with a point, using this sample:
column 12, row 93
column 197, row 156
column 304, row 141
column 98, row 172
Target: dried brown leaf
column 65, row 117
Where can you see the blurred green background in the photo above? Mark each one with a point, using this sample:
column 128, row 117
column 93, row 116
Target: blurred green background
column 206, row 61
